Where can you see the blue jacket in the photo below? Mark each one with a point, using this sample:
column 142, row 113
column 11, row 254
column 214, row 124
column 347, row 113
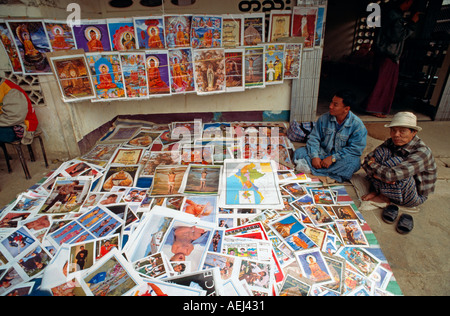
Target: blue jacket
column 326, row 140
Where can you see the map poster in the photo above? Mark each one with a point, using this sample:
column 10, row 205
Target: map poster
column 250, row 184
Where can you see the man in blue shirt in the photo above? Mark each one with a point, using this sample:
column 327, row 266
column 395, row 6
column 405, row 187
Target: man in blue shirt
column 336, row 143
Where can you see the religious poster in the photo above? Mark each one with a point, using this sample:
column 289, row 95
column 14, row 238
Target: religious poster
column 11, row 50
column 304, row 24
column 32, row 44
column 209, row 65
column 107, row 75
column 134, row 74
column 181, row 70
column 206, row 31
column 158, row 74
column 321, row 16
column 274, row 63
column 280, row 25
column 234, row 69
column 253, row 30
column 74, row 80
column 60, row 35
column 92, row 36
column 231, row 31
column 254, row 67
column 121, row 34
column 149, row 32
column 177, row 30
column 293, row 61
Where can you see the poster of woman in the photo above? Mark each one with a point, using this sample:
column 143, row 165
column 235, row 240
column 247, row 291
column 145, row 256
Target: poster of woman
column 92, row 36
column 32, row 44
column 209, row 65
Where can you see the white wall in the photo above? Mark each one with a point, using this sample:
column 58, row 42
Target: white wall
column 64, row 125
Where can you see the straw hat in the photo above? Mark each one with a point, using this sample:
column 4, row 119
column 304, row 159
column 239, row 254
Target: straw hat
column 404, row 119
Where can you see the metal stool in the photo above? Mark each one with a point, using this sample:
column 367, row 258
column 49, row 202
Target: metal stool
column 18, row 146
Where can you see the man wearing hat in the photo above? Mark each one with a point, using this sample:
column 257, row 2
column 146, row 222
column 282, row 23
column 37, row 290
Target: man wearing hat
column 402, row 170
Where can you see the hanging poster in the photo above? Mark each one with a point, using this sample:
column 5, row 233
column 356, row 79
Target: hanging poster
column 304, row 24
column 158, row 75
column 274, row 63
column 177, row 30
column 74, row 79
column 231, row 30
column 209, row 71
column 234, row 69
column 11, row 50
column 149, row 32
column 254, row 67
column 107, row 75
column 134, row 74
column 121, row 34
column 321, row 16
column 293, row 61
column 280, row 25
column 32, row 44
column 206, row 31
column 92, row 36
column 253, row 30
column 60, row 35
column 181, row 70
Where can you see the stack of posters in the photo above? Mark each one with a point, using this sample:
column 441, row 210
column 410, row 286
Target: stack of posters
column 188, row 209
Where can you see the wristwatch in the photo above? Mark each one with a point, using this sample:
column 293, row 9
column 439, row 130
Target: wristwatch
column 333, row 160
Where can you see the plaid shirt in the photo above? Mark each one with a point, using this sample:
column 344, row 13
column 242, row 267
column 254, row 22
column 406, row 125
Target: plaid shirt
column 418, row 162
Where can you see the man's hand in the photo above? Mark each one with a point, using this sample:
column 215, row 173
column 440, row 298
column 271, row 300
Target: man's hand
column 327, row 162
column 316, row 163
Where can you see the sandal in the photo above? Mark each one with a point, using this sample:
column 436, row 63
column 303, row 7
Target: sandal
column 390, row 214
column 405, row 224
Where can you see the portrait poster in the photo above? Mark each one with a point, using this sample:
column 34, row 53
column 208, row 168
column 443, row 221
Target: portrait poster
column 134, row 75
column 92, row 36
column 304, row 24
column 320, row 25
column 177, row 30
column 150, row 32
column 293, row 61
column 60, row 35
column 123, row 176
column 274, row 63
column 313, row 266
column 11, row 50
column 73, row 76
column 232, row 30
column 280, row 24
column 209, row 67
column 167, row 180
column 253, row 30
column 234, row 69
column 254, row 67
column 32, row 43
column 206, row 31
column 107, row 75
column 158, row 73
column 181, row 71
column 67, row 195
column 121, row 34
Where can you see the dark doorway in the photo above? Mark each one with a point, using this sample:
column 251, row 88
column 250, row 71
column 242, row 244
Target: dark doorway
column 348, row 59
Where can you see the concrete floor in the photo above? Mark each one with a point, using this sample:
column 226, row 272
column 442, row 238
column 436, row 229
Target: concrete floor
column 420, row 260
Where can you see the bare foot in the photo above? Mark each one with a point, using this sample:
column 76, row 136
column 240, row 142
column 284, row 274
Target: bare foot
column 380, row 198
column 370, row 196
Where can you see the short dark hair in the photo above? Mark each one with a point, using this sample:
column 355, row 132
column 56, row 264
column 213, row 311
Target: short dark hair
column 348, row 97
